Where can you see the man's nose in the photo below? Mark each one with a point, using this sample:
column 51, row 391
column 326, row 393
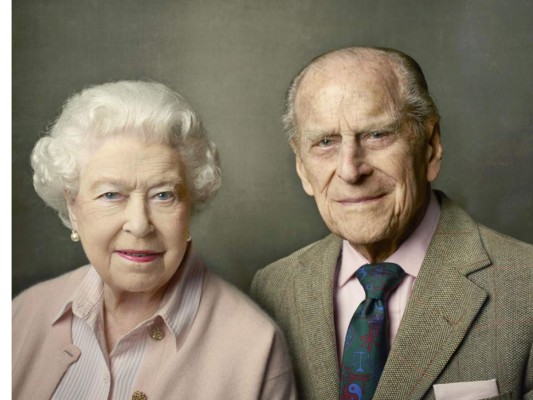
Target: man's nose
column 353, row 164
column 137, row 215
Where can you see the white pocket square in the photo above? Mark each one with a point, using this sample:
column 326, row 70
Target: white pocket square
column 466, row 390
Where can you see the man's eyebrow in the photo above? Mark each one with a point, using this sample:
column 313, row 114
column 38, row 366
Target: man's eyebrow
column 393, row 126
column 314, row 135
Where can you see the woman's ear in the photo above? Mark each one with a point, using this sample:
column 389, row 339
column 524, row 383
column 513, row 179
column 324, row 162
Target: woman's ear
column 71, row 205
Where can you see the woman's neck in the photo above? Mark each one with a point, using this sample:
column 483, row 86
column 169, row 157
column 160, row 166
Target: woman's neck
column 123, row 311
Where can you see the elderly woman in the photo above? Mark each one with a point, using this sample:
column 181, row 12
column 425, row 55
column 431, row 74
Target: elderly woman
column 125, row 164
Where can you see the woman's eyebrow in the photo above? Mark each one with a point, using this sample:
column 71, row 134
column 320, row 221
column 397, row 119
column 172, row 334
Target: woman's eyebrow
column 118, row 183
column 109, row 181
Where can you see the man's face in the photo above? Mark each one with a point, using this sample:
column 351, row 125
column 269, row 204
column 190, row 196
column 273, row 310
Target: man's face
column 365, row 164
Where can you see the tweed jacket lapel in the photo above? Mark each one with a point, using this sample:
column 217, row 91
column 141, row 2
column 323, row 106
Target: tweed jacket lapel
column 315, row 309
column 442, row 306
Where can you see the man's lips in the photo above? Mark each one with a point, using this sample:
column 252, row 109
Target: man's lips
column 139, row 255
column 360, row 199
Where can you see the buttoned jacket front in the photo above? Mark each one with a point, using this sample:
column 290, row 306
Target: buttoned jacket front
column 469, row 317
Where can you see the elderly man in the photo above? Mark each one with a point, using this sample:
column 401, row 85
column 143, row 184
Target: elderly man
column 408, row 298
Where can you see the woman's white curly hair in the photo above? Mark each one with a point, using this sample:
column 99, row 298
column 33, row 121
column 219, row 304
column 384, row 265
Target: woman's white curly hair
column 147, row 109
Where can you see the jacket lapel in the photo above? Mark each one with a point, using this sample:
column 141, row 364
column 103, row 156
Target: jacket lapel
column 442, row 306
column 315, row 310
column 61, row 354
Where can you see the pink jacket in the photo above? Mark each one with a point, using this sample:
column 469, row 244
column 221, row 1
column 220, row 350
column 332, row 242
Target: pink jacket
column 232, row 349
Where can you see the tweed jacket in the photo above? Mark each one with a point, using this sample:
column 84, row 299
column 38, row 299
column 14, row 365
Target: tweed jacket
column 469, row 317
column 231, row 350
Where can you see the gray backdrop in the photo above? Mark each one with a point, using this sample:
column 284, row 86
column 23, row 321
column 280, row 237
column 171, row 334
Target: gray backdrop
column 233, row 60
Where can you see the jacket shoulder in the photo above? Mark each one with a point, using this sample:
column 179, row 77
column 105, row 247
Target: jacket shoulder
column 232, row 304
column 270, row 284
column 468, row 238
column 502, row 246
column 225, row 308
column 44, row 298
column 509, row 254
column 286, row 264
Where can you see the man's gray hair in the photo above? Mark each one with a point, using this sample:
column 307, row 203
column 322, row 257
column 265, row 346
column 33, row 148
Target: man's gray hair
column 145, row 109
column 417, row 105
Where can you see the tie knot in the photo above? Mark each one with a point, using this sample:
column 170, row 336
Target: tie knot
column 379, row 280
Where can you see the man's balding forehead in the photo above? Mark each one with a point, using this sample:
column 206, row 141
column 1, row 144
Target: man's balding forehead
column 350, row 69
column 398, row 72
column 350, row 57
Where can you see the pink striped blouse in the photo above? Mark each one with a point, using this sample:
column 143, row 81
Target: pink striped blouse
column 99, row 375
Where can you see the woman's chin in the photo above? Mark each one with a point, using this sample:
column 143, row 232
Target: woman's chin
column 142, row 284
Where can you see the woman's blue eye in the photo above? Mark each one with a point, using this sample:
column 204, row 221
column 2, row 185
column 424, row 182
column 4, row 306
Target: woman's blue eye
column 111, row 196
column 165, row 196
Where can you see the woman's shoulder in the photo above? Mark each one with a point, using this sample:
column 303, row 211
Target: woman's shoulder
column 50, row 292
column 237, row 308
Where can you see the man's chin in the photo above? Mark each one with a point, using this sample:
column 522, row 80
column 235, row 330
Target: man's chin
column 362, row 238
column 363, row 229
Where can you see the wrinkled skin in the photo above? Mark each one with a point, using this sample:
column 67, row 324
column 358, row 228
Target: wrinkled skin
column 366, row 165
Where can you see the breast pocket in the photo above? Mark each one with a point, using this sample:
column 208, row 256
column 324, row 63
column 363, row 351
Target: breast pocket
column 503, row 396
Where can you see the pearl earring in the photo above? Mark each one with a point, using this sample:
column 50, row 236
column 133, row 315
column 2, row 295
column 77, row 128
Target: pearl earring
column 75, row 236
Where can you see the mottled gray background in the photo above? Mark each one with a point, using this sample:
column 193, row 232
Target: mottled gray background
column 233, row 60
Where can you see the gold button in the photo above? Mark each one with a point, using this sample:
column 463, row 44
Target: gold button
column 138, row 395
column 156, row 333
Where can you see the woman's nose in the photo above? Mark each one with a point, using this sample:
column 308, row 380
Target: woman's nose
column 138, row 221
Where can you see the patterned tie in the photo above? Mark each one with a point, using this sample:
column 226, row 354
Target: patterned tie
column 366, row 346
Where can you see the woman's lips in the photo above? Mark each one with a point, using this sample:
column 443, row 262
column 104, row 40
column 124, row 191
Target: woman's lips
column 140, row 256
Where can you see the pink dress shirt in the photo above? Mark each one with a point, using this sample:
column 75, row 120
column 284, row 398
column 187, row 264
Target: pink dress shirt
column 410, row 255
column 225, row 347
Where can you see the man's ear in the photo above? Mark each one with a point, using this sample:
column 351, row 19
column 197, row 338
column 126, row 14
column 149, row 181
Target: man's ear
column 433, row 151
column 302, row 173
column 69, row 199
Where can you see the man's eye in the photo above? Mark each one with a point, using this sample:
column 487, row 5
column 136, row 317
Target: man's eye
column 377, row 135
column 164, row 196
column 325, row 142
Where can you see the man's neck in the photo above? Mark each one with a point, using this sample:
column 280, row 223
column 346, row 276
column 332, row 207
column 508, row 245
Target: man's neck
column 376, row 252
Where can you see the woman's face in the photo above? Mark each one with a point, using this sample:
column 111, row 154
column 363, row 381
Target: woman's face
column 132, row 213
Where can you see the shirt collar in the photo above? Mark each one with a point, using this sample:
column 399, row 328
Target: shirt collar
column 409, row 255
column 177, row 309
column 181, row 301
column 85, row 300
